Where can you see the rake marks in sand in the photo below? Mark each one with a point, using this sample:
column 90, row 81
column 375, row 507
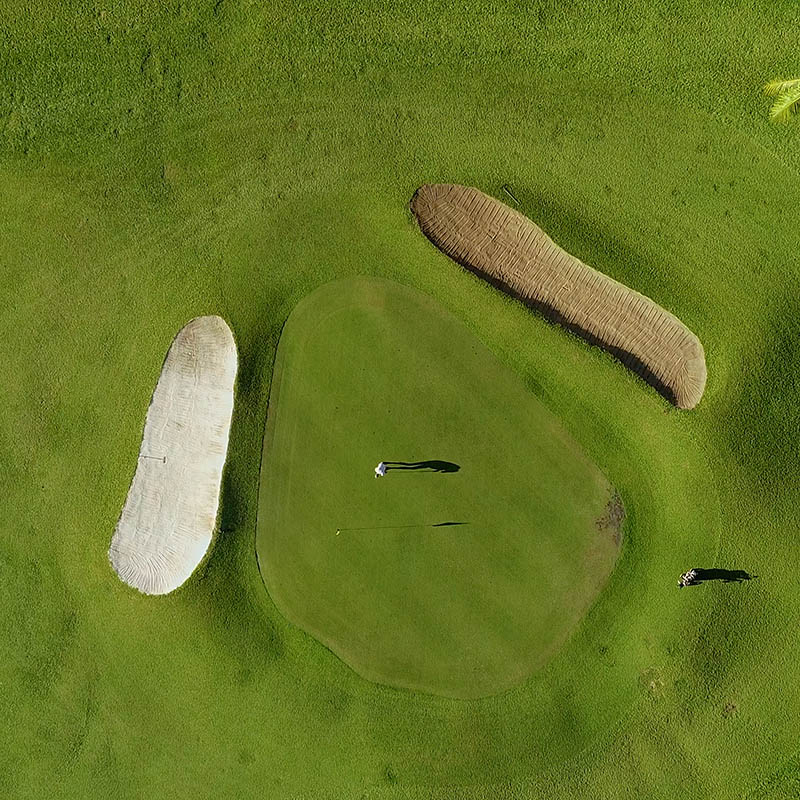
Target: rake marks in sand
column 509, row 250
column 169, row 515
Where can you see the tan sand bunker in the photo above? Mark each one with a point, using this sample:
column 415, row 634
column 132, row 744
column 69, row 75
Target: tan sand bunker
column 169, row 516
column 506, row 248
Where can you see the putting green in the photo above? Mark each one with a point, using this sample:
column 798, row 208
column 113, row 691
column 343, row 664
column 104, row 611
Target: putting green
column 461, row 582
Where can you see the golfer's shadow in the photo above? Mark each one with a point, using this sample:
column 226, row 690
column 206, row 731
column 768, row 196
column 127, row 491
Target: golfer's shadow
column 423, row 466
column 727, row 575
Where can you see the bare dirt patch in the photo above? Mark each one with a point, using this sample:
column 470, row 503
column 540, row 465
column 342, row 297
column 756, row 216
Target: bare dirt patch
column 651, row 682
column 509, row 250
column 613, row 518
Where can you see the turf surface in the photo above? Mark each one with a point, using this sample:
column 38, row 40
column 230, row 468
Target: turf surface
column 161, row 161
column 458, row 583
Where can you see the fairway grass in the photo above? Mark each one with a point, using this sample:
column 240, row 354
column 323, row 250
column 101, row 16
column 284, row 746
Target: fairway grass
column 162, row 161
column 369, row 370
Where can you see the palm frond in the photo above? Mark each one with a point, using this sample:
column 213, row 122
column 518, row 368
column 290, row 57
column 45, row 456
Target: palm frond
column 786, row 104
column 779, row 85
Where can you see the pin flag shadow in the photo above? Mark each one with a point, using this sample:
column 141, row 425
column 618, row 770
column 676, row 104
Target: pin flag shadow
column 400, row 527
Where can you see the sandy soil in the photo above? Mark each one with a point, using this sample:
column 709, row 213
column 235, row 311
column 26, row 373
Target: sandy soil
column 506, row 248
column 166, row 525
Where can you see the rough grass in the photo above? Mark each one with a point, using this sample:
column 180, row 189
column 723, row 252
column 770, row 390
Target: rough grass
column 164, row 161
column 459, row 584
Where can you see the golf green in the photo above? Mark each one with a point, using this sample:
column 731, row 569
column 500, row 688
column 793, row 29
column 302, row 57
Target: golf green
column 466, row 567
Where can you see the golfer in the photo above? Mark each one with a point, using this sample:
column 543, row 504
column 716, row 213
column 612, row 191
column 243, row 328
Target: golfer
column 687, row 579
column 380, row 470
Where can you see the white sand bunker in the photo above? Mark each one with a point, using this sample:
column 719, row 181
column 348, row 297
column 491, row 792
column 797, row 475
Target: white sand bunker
column 169, row 516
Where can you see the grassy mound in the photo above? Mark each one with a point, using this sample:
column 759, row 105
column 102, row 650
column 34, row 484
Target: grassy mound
column 458, row 584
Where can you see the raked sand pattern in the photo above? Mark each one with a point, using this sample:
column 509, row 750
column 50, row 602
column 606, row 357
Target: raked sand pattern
column 169, row 516
column 505, row 247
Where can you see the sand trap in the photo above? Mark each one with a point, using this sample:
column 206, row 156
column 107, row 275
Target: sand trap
column 509, row 250
column 169, row 516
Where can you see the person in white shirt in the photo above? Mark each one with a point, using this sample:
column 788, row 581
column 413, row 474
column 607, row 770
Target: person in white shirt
column 688, row 578
column 380, row 470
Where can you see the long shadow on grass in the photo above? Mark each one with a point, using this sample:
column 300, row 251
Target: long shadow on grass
column 423, row 466
column 400, row 527
column 726, row 575
column 763, row 401
column 230, row 587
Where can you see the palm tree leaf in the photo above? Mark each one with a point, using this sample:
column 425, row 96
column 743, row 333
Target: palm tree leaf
column 779, row 85
column 786, row 104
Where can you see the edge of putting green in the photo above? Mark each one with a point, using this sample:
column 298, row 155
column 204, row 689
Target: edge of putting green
column 305, row 315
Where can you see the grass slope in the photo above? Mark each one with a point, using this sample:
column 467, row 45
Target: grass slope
column 161, row 161
column 369, row 370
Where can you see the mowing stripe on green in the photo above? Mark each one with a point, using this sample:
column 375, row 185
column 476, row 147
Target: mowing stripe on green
column 465, row 568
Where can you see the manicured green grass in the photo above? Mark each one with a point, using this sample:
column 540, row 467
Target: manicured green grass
column 160, row 161
column 459, row 583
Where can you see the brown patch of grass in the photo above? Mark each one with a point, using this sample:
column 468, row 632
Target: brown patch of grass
column 509, row 250
column 651, row 682
column 612, row 518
